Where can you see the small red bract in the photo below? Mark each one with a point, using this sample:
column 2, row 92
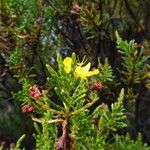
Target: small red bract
column 18, row 66
column 12, row 145
column 88, row 5
column 97, row 86
column 34, row 92
column 76, row 9
column 28, row 108
column 103, row 106
column 136, row 45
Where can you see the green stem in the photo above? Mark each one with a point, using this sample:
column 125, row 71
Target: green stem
column 85, row 107
column 48, row 108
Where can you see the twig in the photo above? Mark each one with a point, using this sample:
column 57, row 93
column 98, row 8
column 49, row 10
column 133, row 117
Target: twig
column 85, row 107
column 132, row 14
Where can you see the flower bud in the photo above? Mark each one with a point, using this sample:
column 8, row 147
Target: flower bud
column 12, row 145
column 136, row 45
column 34, row 92
column 97, row 86
column 76, row 9
column 28, row 108
column 88, row 5
column 103, row 106
column 18, row 66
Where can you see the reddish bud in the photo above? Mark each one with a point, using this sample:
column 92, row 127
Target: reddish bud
column 18, row 66
column 103, row 106
column 76, row 9
column 97, row 86
column 12, row 145
column 136, row 45
column 28, row 108
column 35, row 92
column 88, row 5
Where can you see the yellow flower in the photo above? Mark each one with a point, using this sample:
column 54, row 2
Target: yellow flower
column 83, row 72
column 67, row 64
column 80, row 70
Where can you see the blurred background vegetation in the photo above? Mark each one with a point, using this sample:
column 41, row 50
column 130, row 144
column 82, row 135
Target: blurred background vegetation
column 31, row 31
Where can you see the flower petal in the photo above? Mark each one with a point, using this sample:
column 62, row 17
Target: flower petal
column 67, row 69
column 67, row 61
column 67, row 64
column 87, row 67
column 94, row 72
column 83, row 72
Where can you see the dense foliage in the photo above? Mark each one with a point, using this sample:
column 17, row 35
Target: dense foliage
column 73, row 104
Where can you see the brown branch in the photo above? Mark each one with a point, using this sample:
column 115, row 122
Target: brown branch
column 38, row 24
column 132, row 14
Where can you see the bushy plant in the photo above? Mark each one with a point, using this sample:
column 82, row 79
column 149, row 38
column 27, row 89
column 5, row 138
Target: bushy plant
column 70, row 111
column 73, row 107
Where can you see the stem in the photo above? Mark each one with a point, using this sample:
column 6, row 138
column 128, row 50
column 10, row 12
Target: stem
column 132, row 14
column 85, row 107
column 48, row 108
column 55, row 120
column 42, row 120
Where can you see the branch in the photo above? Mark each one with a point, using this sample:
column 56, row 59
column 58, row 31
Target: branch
column 132, row 14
